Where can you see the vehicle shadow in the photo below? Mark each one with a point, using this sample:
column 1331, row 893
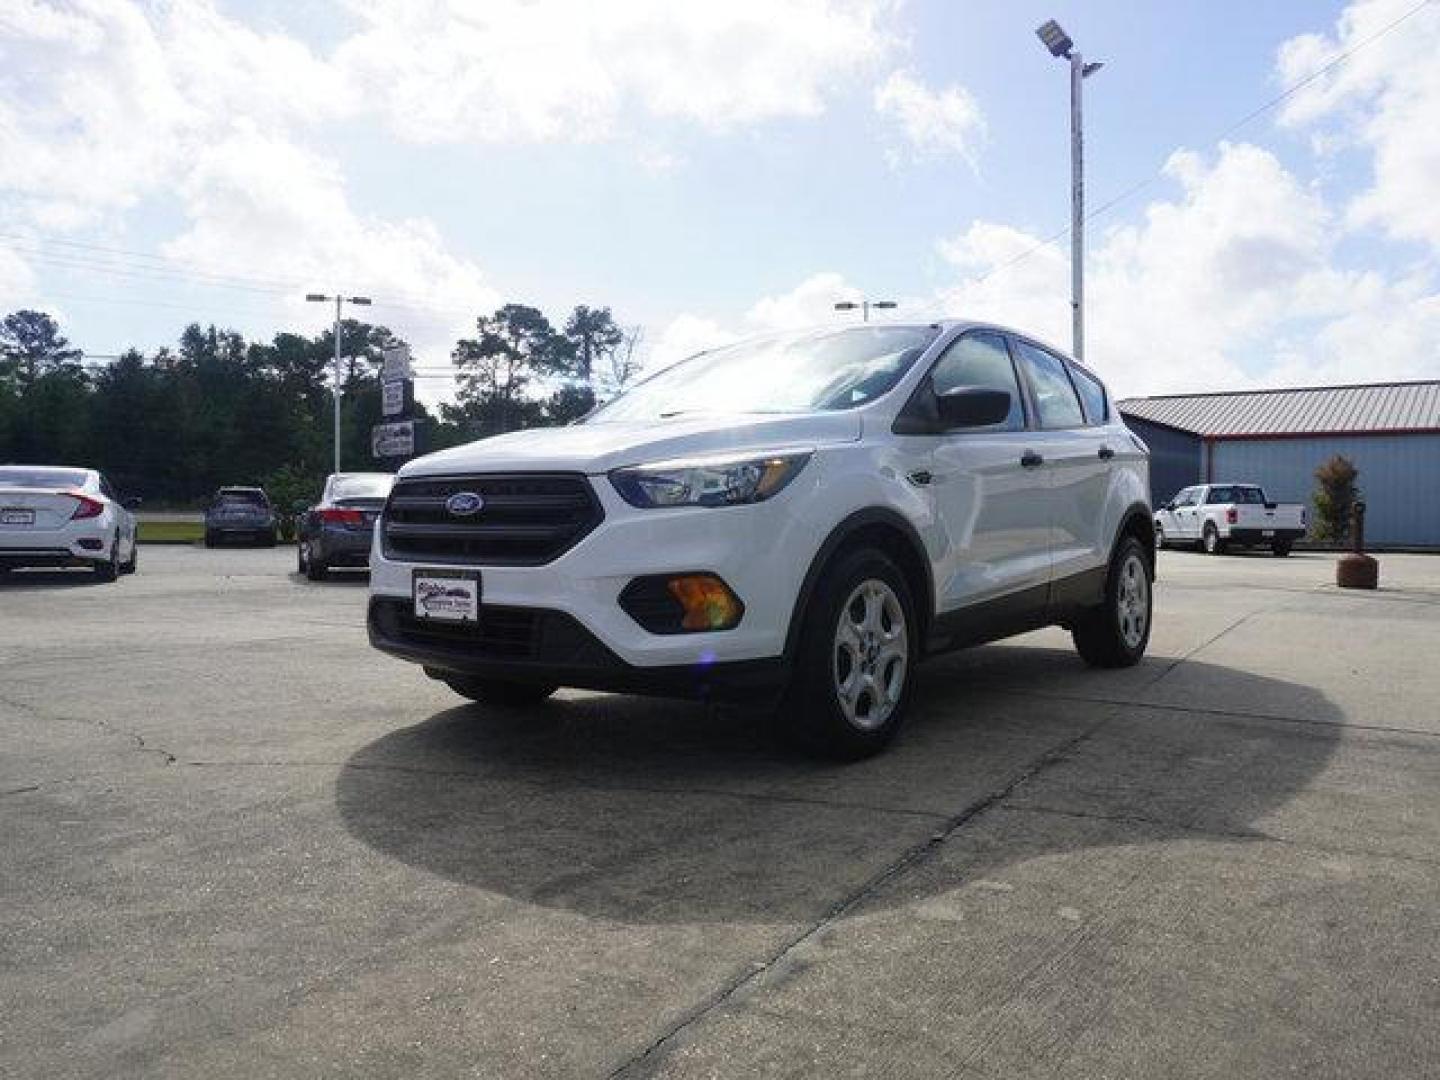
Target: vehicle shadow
column 36, row 580
column 335, row 579
column 646, row 811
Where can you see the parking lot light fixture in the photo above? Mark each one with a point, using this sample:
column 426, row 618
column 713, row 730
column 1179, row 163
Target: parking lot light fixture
column 865, row 306
column 362, row 301
column 1054, row 38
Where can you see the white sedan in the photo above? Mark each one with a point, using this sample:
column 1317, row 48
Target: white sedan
column 52, row 516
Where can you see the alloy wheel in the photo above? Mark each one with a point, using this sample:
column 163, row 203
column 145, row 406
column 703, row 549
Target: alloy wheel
column 1132, row 601
column 870, row 654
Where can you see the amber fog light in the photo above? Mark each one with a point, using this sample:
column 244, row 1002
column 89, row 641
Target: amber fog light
column 682, row 603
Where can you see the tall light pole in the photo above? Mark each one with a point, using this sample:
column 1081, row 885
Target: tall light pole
column 1060, row 45
column 363, row 301
column 865, row 306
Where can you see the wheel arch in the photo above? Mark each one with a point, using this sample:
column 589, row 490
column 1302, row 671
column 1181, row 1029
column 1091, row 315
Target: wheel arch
column 1137, row 521
column 891, row 533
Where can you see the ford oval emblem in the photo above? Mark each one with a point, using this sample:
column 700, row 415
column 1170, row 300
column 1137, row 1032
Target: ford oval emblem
column 464, row 504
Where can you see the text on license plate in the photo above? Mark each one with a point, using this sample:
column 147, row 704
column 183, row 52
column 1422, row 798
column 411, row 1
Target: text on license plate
column 17, row 517
column 447, row 595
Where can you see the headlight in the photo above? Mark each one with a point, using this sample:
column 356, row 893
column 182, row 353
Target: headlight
column 708, row 482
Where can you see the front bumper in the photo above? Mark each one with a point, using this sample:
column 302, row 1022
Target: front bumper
column 535, row 645
column 761, row 551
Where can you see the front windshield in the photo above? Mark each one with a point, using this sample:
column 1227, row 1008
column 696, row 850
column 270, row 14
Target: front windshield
column 816, row 371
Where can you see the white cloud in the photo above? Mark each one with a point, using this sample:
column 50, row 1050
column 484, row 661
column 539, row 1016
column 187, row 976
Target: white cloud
column 934, row 122
column 1385, row 99
column 1233, row 283
column 810, row 303
column 17, row 281
column 110, row 103
column 276, row 211
column 685, row 335
column 450, row 70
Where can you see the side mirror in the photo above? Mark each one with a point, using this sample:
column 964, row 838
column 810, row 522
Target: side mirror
column 972, row 406
column 131, row 503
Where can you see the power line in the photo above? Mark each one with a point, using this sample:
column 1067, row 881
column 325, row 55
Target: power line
column 1254, row 114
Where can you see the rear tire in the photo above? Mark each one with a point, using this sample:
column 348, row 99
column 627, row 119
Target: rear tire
column 1211, row 541
column 501, row 692
column 855, row 665
column 109, row 569
column 1115, row 634
column 209, row 539
column 1281, row 548
column 315, row 569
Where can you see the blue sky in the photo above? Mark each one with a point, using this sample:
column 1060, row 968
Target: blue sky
column 709, row 172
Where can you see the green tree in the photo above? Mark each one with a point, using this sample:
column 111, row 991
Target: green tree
column 621, row 366
column 496, row 369
column 1335, row 495
column 31, row 345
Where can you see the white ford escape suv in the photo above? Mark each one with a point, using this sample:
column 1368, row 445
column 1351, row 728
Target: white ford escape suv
column 801, row 518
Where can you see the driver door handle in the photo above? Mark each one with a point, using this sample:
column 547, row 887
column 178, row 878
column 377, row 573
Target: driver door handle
column 1031, row 460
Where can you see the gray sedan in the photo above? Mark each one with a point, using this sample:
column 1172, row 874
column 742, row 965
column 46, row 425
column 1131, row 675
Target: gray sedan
column 336, row 531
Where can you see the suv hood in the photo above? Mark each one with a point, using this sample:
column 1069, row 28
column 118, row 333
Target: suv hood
column 600, row 447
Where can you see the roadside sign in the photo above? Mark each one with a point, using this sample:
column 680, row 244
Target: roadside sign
column 397, row 364
column 392, row 398
column 393, row 440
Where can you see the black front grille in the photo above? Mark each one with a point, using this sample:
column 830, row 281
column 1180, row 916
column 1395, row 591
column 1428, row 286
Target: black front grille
column 527, row 518
column 539, row 636
column 503, row 633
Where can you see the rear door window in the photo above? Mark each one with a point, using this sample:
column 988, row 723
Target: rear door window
column 1055, row 398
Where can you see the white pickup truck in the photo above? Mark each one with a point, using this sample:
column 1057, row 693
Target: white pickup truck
column 1216, row 516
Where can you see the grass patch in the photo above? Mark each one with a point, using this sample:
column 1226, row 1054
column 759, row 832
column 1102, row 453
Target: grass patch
column 171, row 532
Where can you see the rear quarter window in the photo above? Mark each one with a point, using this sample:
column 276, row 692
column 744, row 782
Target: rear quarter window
column 1092, row 395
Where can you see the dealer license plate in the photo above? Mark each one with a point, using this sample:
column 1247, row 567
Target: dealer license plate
column 447, row 595
column 17, row 517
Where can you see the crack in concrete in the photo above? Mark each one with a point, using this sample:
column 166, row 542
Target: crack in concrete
column 914, row 856
column 141, row 747
column 1227, row 714
column 1215, row 833
column 1206, row 644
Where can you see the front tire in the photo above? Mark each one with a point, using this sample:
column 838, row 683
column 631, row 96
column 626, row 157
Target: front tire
column 1159, row 537
column 856, row 660
column 501, row 692
column 1115, row 634
column 210, row 539
column 130, row 565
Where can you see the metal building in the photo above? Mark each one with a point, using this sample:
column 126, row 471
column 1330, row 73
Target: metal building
column 1277, row 438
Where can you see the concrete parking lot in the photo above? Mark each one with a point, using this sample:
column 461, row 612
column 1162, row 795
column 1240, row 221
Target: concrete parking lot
column 237, row 843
